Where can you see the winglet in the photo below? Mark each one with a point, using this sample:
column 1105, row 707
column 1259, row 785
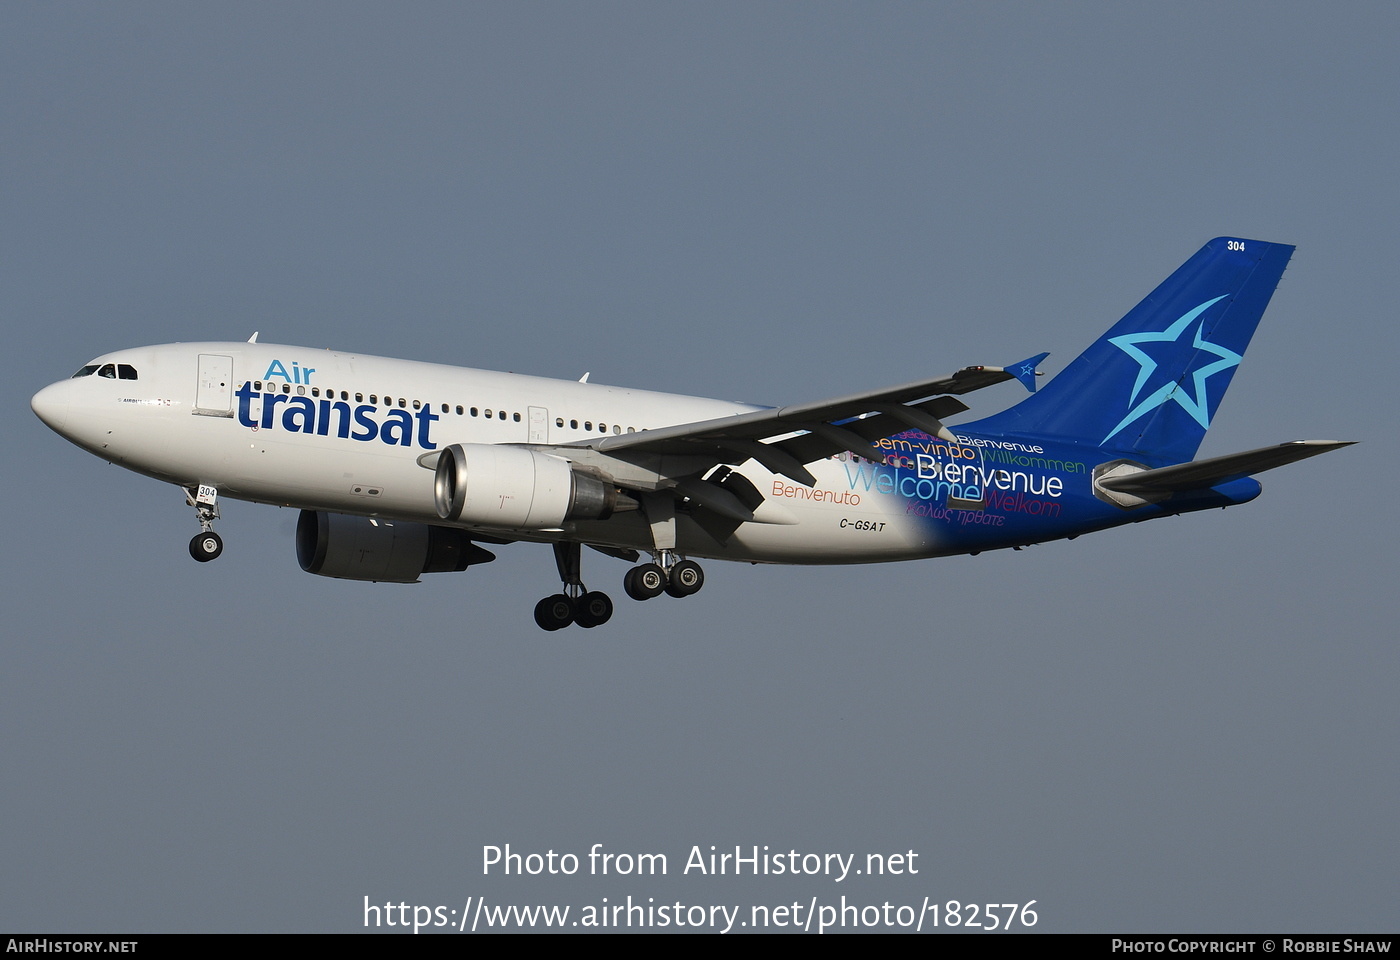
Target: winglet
column 1026, row 371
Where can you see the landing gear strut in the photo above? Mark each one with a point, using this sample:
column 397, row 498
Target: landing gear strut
column 206, row 545
column 577, row 604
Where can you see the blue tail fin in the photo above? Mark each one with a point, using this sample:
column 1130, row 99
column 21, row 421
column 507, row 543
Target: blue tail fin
column 1150, row 386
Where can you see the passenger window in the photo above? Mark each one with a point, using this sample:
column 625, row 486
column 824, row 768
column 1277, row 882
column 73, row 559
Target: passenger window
column 301, row 391
column 401, row 402
column 109, row 370
column 616, row 429
column 316, row 392
column 474, row 411
column 488, row 414
column 573, row 424
column 257, row 385
column 374, row 398
column 559, row 421
column 516, row 417
column 588, row 424
column 459, row 409
column 126, row 371
column 286, row 388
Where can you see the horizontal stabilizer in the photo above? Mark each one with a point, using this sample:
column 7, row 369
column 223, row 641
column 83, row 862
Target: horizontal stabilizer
column 1204, row 474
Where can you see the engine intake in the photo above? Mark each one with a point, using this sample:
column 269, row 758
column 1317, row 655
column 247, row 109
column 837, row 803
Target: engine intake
column 514, row 487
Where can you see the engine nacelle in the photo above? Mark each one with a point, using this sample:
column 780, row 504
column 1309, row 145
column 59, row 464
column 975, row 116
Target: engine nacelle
column 392, row 551
column 513, row 487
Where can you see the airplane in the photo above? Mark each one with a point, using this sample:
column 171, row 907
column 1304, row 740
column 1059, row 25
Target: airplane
column 402, row 468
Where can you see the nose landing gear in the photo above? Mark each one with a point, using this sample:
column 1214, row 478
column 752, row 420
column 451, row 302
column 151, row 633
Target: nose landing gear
column 206, row 545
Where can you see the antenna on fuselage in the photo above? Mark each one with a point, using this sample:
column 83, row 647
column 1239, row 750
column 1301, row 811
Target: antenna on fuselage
column 254, row 337
column 582, row 379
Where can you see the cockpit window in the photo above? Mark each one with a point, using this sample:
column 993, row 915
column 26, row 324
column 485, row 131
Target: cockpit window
column 126, row 371
column 108, row 370
column 86, row 371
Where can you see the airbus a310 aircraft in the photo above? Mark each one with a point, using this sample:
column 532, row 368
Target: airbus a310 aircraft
column 403, row 468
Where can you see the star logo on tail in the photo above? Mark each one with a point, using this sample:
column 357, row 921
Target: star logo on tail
column 1196, row 404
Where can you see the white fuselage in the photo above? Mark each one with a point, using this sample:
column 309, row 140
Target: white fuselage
column 323, row 430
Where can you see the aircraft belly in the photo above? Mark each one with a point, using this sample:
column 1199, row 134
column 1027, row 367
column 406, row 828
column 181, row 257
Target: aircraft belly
column 838, row 521
column 815, row 539
column 847, row 536
column 321, row 474
column 266, row 466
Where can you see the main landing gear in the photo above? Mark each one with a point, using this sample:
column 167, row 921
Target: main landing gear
column 590, row 608
column 577, row 604
column 206, row 545
column 683, row 578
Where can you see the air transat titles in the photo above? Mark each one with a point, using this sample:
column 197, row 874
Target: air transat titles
column 363, row 422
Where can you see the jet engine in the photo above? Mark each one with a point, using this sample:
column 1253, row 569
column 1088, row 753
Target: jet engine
column 514, row 487
column 369, row 548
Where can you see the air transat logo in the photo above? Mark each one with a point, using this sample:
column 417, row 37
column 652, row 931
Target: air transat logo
column 1177, row 356
column 365, row 422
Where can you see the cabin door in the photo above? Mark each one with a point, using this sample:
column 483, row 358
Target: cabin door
column 539, row 425
column 214, row 393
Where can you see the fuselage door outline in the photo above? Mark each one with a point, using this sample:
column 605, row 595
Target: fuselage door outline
column 214, row 387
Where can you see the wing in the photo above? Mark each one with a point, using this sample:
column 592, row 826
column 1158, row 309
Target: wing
column 785, row 439
column 686, row 468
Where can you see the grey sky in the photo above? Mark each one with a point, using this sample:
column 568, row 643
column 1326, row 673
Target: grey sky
column 1185, row 725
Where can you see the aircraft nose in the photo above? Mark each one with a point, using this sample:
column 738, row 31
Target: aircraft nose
column 51, row 405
